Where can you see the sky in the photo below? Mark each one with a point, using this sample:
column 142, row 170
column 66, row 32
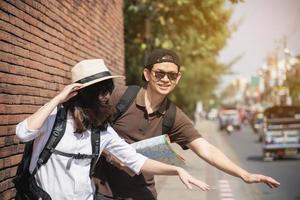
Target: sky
column 263, row 24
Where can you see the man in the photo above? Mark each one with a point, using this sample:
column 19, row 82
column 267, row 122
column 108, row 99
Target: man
column 143, row 119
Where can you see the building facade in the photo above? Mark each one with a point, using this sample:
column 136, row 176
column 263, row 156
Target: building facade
column 39, row 43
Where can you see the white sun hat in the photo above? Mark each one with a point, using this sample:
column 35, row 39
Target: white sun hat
column 88, row 72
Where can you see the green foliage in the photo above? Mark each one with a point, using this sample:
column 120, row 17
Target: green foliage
column 197, row 30
column 293, row 83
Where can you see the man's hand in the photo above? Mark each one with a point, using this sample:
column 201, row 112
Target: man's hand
column 117, row 163
column 258, row 178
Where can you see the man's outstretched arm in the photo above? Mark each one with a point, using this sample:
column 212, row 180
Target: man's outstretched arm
column 215, row 157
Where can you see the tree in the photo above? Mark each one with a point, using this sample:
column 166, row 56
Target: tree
column 196, row 30
column 293, row 82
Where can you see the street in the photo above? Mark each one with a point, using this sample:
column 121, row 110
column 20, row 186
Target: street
column 244, row 149
column 248, row 150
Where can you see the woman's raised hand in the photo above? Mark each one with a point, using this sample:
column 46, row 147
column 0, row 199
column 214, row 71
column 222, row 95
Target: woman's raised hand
column 188, row 180
column 68, row 92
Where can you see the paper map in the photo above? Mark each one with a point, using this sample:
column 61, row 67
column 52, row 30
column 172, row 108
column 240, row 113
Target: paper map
column 159, row 148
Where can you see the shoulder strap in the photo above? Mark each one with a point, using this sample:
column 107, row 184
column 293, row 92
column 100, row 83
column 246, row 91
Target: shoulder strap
column 95, row 140
column 169, row 118
column 57, row 132
column 125, row 101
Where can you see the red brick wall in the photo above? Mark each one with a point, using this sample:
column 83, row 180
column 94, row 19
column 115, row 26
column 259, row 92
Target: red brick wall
column 39, row 42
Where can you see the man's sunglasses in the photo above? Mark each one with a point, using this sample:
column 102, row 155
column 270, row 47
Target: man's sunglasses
column 172, row 76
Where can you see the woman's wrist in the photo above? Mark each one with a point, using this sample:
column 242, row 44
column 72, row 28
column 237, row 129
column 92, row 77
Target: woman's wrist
column 178, row 170
column 57, row 99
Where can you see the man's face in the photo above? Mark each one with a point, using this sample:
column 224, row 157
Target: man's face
column 163, row 77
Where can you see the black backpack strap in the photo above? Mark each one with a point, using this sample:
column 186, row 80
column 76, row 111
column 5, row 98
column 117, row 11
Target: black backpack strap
column 125, row 101
column 57, row 133
column 95, row 140
column 169, row 118
column 74, row 156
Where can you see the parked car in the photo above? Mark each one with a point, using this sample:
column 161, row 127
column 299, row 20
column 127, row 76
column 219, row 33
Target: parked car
column 282, row 132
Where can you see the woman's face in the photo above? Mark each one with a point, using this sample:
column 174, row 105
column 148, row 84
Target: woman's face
column 104, row 98
column 105, row 90
column 100, row 91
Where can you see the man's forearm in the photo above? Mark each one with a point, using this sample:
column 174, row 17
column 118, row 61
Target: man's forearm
column 215, row 157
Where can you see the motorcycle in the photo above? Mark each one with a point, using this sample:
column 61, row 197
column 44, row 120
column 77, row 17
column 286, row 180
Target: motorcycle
column 229, row 125
column 258, row 125
column 229, row 129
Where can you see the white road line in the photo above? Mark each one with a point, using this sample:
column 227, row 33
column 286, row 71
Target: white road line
column 229, row 194
column 227, row 199
column 225, row 190
column 223, row 181
column 224, row 186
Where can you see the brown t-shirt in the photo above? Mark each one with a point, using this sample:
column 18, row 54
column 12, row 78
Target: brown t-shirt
column 135, row 125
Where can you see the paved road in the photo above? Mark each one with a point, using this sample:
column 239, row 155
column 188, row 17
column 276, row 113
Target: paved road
column 243, row 148
column 287, row 171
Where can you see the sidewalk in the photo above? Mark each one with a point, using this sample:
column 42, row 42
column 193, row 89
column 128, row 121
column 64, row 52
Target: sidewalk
column 171, row 187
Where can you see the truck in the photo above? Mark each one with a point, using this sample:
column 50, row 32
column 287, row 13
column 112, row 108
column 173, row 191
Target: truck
column 281, row 137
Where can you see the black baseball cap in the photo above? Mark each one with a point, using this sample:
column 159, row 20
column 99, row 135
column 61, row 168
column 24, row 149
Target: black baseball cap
column 161, row 55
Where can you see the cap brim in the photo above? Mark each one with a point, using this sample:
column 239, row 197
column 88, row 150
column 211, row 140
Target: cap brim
column 99, row 80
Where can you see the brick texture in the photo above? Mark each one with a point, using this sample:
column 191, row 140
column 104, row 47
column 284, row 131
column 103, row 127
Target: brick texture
column 40, row 40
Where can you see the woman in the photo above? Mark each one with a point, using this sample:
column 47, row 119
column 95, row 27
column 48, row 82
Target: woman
column 86, row 101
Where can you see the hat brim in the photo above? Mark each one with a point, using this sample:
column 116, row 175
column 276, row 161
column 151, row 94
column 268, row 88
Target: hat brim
column 99, row 80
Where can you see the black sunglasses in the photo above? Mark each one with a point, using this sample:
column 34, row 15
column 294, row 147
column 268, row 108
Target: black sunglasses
column 101, row 88
column 172, row 76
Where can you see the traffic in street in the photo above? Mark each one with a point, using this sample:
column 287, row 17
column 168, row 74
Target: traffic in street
column 244, row 148
column 249, row 152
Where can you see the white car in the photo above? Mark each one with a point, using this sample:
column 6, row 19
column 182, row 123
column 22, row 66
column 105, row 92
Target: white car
column 229, row 117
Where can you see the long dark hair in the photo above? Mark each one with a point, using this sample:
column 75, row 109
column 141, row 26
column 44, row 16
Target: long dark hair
column 87, row 110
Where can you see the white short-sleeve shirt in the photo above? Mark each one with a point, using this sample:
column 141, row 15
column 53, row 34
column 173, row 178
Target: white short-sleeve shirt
column 73, row 183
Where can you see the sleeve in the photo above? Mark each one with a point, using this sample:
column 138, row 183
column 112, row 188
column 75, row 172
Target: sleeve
column 25, row 134
column 184, row 131
column 124, row 152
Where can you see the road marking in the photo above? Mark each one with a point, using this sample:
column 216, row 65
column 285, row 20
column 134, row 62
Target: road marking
column 225, row 190
column 223, row 181
column 225, row 186
column 229, row 194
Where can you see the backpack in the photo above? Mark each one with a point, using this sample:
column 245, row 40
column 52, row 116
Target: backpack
column 24, row 181
column 128, row 98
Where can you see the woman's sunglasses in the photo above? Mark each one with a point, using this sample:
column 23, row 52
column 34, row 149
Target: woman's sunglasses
column 101, row 88
column 172, row 76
